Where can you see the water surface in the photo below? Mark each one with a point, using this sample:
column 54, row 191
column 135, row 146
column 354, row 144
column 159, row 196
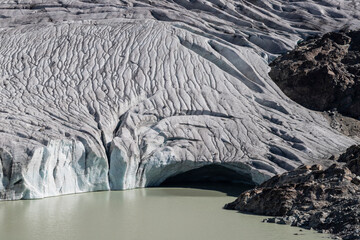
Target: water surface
column 140, row 214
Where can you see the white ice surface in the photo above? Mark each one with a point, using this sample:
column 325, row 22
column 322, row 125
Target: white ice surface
column 124, row 94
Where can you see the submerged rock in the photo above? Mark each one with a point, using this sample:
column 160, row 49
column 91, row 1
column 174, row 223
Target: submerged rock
column 327, row 200
column 323, row 73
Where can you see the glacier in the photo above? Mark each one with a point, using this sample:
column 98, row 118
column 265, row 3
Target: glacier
column 100, row 95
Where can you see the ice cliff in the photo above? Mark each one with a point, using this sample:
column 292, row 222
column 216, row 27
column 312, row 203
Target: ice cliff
column 99, row 95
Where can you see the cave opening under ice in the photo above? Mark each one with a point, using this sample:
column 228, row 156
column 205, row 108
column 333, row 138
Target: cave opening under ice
column 212, row 177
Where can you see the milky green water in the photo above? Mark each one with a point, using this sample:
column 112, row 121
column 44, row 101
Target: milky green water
column 141, row 214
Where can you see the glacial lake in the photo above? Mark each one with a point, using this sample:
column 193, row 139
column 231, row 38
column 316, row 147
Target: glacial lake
column 140, row 214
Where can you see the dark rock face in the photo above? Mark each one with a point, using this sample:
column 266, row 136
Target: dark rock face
column 323, row 73
column 327, row 200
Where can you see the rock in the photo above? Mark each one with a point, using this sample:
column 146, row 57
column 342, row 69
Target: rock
column 356, row 180
column 316, row 167
column 352, row 159
column 326, row 200
column 269, row 220
column 323, row 73
column 304, row 167
column 351, row 153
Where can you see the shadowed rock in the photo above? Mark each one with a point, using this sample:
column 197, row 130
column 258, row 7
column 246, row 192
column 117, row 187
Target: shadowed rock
column 323, row 73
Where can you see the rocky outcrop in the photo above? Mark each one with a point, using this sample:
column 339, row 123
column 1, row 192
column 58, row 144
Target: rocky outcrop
column 140, row 91
column 327, row 200
column 323, row 73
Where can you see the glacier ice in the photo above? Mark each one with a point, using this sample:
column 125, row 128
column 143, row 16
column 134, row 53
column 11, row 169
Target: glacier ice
column 122, row 94
column 64, row 167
